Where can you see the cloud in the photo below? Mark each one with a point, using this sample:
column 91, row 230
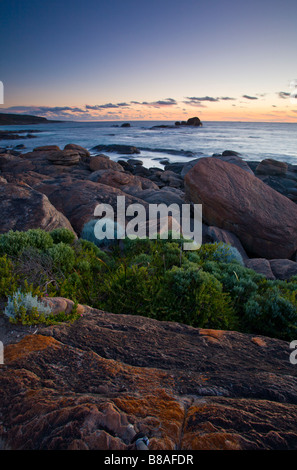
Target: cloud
column 247, row 97
column 196, row 101
column 98, row 107
column 156, row 104
column 227, row 98
column 284, row 95
column 203, row 98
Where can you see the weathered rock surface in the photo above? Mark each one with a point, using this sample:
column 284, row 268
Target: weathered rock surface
column 79, row 149
column 64, row 157
column 283, row 268
column 92, row 384
column 271, row 167
column 264, row 220
column 230, row 157
column 261, row 266
column 216, row 234
column 102, row 162
column 78, row 199
column 122, row 180
column 23, row 208
column 116, row 148
column 60, row 304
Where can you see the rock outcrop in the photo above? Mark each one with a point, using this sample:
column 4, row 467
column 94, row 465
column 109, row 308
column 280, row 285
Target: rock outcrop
column 264, row 220
column 102, row 162
column 78, row 199
column 94, row 383
column 22, row 208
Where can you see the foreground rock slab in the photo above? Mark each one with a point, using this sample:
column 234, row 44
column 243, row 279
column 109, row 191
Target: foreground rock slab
column 91, row 384
column 264, row 220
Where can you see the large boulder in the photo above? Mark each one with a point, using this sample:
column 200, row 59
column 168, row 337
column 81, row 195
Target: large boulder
column 22, row 208
column 271, row 167
column 64, row 157
column 78, row 148
column 218, row 235
column 283, row 268
column 230, row 157
column 119, row 179
column 78, row 199
column 116, row 148
column 260, row 266
column 264, row 220
column 102, row 162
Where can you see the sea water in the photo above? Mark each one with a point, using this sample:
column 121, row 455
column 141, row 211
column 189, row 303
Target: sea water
column 254, row 141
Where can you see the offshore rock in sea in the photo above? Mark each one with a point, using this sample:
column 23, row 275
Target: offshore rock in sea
column 194, row 121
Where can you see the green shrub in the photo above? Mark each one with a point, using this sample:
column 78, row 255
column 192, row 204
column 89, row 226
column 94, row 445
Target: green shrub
column 208, row 287
column 221, row 252
column 128, row 290
column 39, row 239
column 26, row 308
column 63, row 235
column 8, row 279
column 197, row 298
column 13, row 243
column 271, row 314
column 63, row 257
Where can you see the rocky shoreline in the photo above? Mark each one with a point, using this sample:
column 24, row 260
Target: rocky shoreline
column 250, row 205
column 94, row 383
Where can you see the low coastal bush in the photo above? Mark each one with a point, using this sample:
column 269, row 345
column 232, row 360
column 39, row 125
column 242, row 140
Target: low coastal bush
column 209, row 287
column 24, row 307
column 62, row 235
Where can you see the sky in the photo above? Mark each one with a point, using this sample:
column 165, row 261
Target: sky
column 99, row 60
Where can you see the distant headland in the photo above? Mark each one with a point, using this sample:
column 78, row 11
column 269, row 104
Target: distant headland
column 7, row 119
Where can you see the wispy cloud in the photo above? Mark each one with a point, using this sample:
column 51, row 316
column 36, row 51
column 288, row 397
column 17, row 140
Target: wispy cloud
column 40, row 110
column 227, row 98
column 202, row 98
column 283, row 94
column 98, row 107
column 248, row 97
column 197, row 100
column 156, row 104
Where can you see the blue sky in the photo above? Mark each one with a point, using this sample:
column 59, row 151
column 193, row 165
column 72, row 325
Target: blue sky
column 98, row 59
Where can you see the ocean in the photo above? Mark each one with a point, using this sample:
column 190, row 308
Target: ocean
column 254, row 141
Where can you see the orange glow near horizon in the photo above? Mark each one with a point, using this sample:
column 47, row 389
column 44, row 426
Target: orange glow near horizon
column 245, row 109
column 264, row 114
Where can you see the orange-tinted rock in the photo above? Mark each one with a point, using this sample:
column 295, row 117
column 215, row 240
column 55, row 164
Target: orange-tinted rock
column 60, row 304
column 264, row 220
column 93, row 384
column 28, row 345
